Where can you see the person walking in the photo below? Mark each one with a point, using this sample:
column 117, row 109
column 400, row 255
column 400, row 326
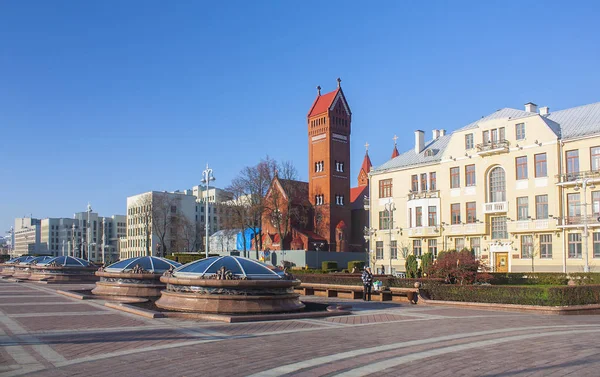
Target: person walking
column 367, row 278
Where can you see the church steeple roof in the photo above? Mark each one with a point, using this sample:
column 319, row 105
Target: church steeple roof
column 323, row 102
column 366, row 164
column 395, row 152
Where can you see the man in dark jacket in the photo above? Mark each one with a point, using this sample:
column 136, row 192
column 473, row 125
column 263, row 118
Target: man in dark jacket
column 367, row 278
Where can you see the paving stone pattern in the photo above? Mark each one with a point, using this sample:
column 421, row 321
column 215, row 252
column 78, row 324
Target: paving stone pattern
column 46, row 334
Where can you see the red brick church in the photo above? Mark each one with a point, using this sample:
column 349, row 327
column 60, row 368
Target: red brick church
column 324, row 213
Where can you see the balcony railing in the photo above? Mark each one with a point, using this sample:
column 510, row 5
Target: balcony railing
column 471, row 228
column 424, row 194
column 424, row 231
column 492, row 147
column 580, row 220
column 575, row 176
column 495, row 207
column 524, row 225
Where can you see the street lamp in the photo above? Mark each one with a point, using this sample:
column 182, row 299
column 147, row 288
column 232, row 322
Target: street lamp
column 318, row 247
column 367, row 233
column 390, row 207
column 584, row 184
column 207, row 176
column 89, row 230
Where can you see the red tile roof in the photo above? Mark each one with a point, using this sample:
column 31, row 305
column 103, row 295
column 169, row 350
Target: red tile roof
column 357, row 193
column 322, row 103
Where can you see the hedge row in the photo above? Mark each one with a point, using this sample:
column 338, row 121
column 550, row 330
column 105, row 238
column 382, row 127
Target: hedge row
column 184, row 258
column 529, row 295
column 544, row 278
column 520, row 278
column 355, row 279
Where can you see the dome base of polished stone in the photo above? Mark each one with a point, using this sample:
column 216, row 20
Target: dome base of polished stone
column 133, row 277
column 229, row 285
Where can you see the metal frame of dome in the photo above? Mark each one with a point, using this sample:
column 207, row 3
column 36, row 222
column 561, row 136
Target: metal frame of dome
column 36, row 260
column 271, row 273
column 132, row 262
column 64, row 263
column 23, row 258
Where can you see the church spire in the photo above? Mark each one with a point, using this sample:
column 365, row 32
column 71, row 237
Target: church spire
column 395, row 153
column 363, row 175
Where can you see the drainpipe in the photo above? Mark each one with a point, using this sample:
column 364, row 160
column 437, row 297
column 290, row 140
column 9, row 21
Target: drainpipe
column 562, row 204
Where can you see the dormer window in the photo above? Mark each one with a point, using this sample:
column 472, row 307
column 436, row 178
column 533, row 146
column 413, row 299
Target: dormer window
column 428, row 153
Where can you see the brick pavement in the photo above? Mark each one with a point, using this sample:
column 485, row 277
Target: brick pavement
column 67, row 337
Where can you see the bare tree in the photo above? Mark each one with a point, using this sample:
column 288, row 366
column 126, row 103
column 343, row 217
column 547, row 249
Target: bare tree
column 187, row 234
column 164, row 217
column 287, row 204
column 249, row 189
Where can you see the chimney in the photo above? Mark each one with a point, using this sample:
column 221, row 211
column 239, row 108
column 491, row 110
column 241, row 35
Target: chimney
column 436, row 134
column 442, row 132
column 545, row 110
column 419, row 141
column 531, row 107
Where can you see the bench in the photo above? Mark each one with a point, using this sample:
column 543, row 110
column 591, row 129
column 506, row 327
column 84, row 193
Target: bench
column 330, row 290
column 355, row 292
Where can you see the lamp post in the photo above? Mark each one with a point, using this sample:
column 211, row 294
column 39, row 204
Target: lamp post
column 89, row 231
column 207, row 176
column 390, row 207
column 584, row 183
column 318, row 246
column 104, row 241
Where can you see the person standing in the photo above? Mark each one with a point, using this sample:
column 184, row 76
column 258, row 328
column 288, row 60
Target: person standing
column 367, row 278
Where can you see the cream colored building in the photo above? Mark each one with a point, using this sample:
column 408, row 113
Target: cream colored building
column 516, row 186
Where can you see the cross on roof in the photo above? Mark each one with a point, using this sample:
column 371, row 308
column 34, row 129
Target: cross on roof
column 395, row 138
column 367, row 146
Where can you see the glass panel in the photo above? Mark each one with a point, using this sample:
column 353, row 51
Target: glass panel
column 497, row 185
column 253, row 268
column 228, row 263
column 198, row 266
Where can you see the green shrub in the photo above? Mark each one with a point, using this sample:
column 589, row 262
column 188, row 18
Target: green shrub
column 525, row 278
column 345, row 279
column 412, row 267
column 426, row 263
column 329, row 266
column 185, row 258
column 307, row 271
column 360, row 265
column 585, row 278
column 528, row 295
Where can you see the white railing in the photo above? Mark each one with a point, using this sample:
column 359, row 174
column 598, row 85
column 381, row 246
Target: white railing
column 495, row 207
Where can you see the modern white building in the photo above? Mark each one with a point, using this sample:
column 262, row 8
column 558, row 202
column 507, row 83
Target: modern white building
column 27, row 233
column 159, row 218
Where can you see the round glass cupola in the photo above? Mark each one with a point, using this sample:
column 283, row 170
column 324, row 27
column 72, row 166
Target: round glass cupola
column 241, row 268
column 152, row 264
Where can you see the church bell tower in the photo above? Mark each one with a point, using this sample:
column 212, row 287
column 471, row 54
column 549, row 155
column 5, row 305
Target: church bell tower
column 329, row 125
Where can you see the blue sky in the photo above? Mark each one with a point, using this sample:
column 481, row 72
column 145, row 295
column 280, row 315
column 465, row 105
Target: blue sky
column 100, row 100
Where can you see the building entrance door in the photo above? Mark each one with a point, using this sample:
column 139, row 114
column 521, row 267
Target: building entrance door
column 501, row 262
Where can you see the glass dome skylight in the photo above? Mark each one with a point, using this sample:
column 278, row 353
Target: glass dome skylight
column 150, row 264
column 66, row 261
column 239, row 266
column 36, row 260
column 18, row 260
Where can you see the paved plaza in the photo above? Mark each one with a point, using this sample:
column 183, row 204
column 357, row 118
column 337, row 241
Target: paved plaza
column 47, row 334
